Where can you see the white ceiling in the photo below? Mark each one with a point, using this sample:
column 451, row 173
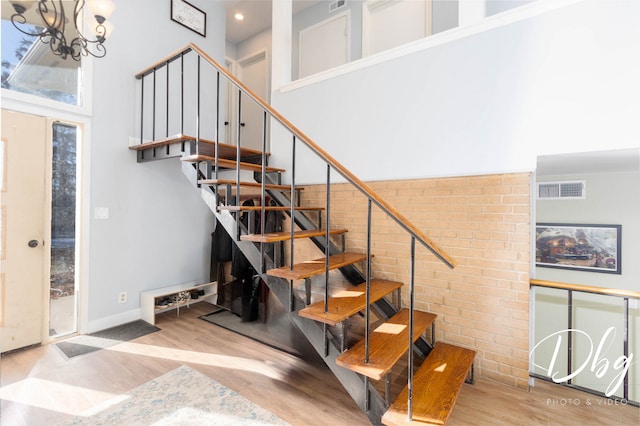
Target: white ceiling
column 621, row 160
column 257, row 16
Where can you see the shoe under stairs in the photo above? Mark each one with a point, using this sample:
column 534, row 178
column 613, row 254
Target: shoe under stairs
column 438, row 380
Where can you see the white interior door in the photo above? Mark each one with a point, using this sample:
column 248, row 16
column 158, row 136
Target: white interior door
column 325, row 45
column 228, row 95
column 252, row 71
column 390, row 23
column 22, row 298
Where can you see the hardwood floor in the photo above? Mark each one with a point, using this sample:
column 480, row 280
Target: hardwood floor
column 40, row 386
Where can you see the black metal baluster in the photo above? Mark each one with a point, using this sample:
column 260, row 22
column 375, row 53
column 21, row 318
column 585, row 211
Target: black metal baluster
column 217, row 135
column 198, row 110
column 182, row 98
column 263, row 195
column 368, row 286
column 625, row 348
column 153, row 112
column 142, row 115
column 326, row 247
column 569, row 333
column 411, row 309
column 166, row 128
column 293, row 211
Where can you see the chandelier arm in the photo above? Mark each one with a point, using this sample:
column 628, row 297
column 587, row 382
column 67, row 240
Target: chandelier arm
column 19, row 19
column 53, row 33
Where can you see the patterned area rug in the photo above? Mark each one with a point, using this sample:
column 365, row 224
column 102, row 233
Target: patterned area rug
column 180, row 397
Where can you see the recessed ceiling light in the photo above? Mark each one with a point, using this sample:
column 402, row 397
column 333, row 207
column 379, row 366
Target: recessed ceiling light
column 239, row 16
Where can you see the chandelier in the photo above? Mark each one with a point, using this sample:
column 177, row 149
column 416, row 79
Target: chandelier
column 53, row 22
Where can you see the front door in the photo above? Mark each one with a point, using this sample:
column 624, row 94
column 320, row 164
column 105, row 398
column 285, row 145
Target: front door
column 22, row 295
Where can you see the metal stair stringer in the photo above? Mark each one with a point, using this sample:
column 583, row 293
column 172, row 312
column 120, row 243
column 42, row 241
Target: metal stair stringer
column 352, row 382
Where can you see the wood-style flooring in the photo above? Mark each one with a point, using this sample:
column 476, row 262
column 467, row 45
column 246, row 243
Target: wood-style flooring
column 40, row 386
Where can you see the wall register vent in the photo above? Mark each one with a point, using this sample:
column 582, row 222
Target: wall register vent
column 573, row 190
column 335, row 5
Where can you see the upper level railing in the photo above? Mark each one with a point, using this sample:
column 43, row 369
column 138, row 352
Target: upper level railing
column 572, row 354
column 202, row 108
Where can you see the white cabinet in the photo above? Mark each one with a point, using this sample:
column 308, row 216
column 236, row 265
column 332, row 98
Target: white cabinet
column 176, row 297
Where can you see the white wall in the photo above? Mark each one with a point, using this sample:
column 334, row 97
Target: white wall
column 565, row 81
column 158, row 233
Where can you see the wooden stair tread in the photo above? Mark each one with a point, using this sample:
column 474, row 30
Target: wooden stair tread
column 317, row 266
column 226, row 151
column 274, row 237
column 387, row 344
column 267, row 208
column 230, row 164
column 436, row 386
column 247, row 184
column 348, row 302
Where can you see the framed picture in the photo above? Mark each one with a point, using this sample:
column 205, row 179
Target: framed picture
column 190, row 16
column 581, row 247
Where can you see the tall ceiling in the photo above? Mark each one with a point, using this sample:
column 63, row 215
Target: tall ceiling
column 257, row 16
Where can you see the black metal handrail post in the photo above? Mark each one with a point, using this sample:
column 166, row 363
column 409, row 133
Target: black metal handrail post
column 569, row 333
column 263, row 193
column 216, row 154
column 367, row 312
column 166, row 124
column 142, row 112
column 327, row 244
column 411, row 310
column 198, row 94
column 625, row 347
column 153, row 109
column 182, row 94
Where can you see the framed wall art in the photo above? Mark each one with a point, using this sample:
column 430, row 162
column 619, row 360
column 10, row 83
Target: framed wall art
column 190, row 16
column 583, row 247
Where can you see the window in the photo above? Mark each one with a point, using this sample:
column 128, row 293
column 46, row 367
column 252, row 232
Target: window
column 29, row 66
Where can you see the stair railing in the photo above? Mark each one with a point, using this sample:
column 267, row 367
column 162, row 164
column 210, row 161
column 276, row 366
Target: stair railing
column 625, row 295
column 415, row 234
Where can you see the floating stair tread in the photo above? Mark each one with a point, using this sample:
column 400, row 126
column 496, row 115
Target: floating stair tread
column 316, row 267
column 436, row 386
column 226, row 151
column 284, row 236
column 387, row 344
column 230, row 164
column 247, row 184
column 348, row 302
column 267, row 208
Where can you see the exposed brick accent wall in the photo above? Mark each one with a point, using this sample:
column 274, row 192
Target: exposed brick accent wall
column 483, row 222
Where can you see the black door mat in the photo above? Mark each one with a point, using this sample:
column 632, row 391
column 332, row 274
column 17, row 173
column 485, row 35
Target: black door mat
column 268, row 334
column 88, row 343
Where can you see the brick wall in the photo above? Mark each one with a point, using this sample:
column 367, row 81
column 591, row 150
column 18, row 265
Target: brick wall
column 483, row 222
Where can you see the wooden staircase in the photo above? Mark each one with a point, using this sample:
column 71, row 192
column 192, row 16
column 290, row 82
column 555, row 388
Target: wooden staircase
column 430, row 393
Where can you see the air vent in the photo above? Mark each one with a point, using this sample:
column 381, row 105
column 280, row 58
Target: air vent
column 573, row 190
column 333, row 6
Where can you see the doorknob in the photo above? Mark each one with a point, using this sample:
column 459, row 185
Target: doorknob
column 33, row 243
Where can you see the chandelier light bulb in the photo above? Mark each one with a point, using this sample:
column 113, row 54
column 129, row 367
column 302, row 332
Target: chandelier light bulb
column 101, row 9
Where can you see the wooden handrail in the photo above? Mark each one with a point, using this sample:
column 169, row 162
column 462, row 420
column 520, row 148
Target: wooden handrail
column 585, row 288
column 400, row 219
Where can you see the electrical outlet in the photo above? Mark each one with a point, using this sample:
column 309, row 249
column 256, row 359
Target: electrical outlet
column 122, row 297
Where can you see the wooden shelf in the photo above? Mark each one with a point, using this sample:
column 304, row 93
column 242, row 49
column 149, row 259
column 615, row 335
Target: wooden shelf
column 148, row 299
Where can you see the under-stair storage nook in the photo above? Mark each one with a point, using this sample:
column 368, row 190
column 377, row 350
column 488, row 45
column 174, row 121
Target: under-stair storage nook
column 362, row 326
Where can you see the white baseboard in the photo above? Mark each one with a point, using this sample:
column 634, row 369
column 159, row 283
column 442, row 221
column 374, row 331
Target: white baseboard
column 112, row 321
